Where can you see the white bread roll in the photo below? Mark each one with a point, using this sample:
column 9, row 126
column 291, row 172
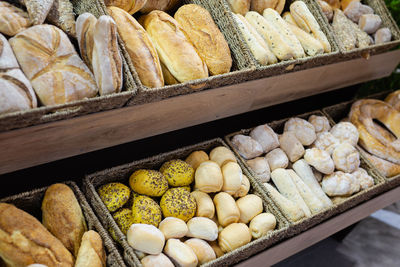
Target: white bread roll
column 277, row 159
column 196, row 158
column 181, row 253
column 244, row 187
column 146, row 238
column 249, row 206
column 208, row 177
column 291, row 146
column 227, row 210
column 203, row 228
column 222, row 155
column 261, row 168
column 262, row 224
column 232, row 175
column 173, row 227
column 205, row 205
column 202, row 249
column 234, row 236
column 217, row 250
column 156, row 261
column 266, row 137
column 247, row 147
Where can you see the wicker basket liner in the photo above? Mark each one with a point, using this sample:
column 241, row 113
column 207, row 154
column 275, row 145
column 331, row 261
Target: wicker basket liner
column 337, row 208
column 380, row 9
column 44, row 114
column 242, row 70
column 336, row 113
column 122, row 173
column 222, row 8
column 31, row 202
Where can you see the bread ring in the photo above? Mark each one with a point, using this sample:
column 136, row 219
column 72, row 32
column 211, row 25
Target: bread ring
column 373, row 137
column 394, row 100
column 387, row 168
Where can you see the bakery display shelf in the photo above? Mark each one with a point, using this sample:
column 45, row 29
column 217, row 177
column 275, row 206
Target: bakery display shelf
column 308, row 238
column 31, row 146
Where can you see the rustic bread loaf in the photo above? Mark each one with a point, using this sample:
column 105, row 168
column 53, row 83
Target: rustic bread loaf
column 85, row 25
column 12, row 19
column 91, row 251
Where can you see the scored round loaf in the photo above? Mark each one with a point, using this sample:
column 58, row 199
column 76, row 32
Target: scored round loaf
column 206, row 37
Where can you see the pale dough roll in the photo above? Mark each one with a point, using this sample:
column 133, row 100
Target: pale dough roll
column 205, row 205
column 234, row 236
column 146, row 238
column 202, row 249
column 291, row 146
column 345, row 132
column 222, row 155
column 261, row 167
column 370, row 23
column 262, row 224
column 156, row 261
column 320, row 123
column 232, row 175
column 383, row 35
column 320, row 159
column 244, row 187
column 366, row 181
column 208, row 177
column 326, row 141
column 346, row 158
column 304, row 131
column 196, row 158
column 181, row 253
column 203, row 228
column 247, row 147
column 277, row 159
column 266, row 137
column 227, row 210
column 173, row 227
column 249, row 207
column 340, row 184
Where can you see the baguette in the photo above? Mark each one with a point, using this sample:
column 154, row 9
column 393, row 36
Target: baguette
column 287, row 188
column 313, row 202
column 304, row 171
column 257, row 45
column 273, row 37
column 49, row 60
column 275, row 20
column 289, row 18
column 208, row 40
column 107, row 61
column 306, row 21
column 311, row 45
column 176, row 52
column 91, row 252
column 24, row 241
column 85, row 25
column 140, row 48
column 62, row 216
column 289, row 208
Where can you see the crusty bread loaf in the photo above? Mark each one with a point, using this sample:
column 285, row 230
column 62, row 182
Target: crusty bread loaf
column 12, row 19
column 123, row 4
column 51, row 63
column 38, row 10
column 163, row 5
column 91, row 251
column 140, row 48
column 24, row 241
column 176, row 52
column 206, row 37
column 85, row 25
column 62, row 15
column 17, row 93
column 107, row 61
column 62, row 216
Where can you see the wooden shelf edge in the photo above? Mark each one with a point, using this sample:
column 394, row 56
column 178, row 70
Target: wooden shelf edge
column 31, row 146
column 306, row 239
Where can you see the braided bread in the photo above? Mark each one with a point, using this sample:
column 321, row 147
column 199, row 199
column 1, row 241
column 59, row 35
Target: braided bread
column 394, row 100
column 374, row 138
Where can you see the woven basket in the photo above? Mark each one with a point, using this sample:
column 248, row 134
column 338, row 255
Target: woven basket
column 122, row 173
column 283, row 66
column 380, row 9
column 44, row 114
column 31, row 202
column 338, row 207
column 336, row 113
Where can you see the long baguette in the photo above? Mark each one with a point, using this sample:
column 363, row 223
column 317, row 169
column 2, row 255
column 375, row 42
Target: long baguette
column 289, row 18
column 273, row 18
column 271, row 35
column 305, row 172
column 311, row 45
column 308, row 23
column 287, row 188
column 313, row 202
column 258, row 48
column 290, row 209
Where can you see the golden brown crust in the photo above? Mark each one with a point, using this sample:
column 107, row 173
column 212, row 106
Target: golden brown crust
column 387, row 168
column 206, row 37
column 394, row 100
column 62, row 216
column 85, row 25
column 163, row 5
column 123, row 4
column 373, row 137
column 91, row 252
column 24, row 240
column 140, row 48
column 175, row 50
column 12, row 19
column 137, row 5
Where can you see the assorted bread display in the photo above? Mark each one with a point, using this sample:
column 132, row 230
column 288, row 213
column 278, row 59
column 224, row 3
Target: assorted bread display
column 62, row 239
column 190, row 211
column 355, row 24
column 272, row 37
column 312, row 166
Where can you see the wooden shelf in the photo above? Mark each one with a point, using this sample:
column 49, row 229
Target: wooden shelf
column 306, row 239
column 44, row 143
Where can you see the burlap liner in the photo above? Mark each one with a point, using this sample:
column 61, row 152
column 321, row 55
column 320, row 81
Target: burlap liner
column 44, row 114
column 284, row 66
column 345, row 204
column 380, row 9
column 336, row 113
column 31, row 202
column 121, row 174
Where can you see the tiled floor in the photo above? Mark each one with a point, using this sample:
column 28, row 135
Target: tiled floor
column 374, row 242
